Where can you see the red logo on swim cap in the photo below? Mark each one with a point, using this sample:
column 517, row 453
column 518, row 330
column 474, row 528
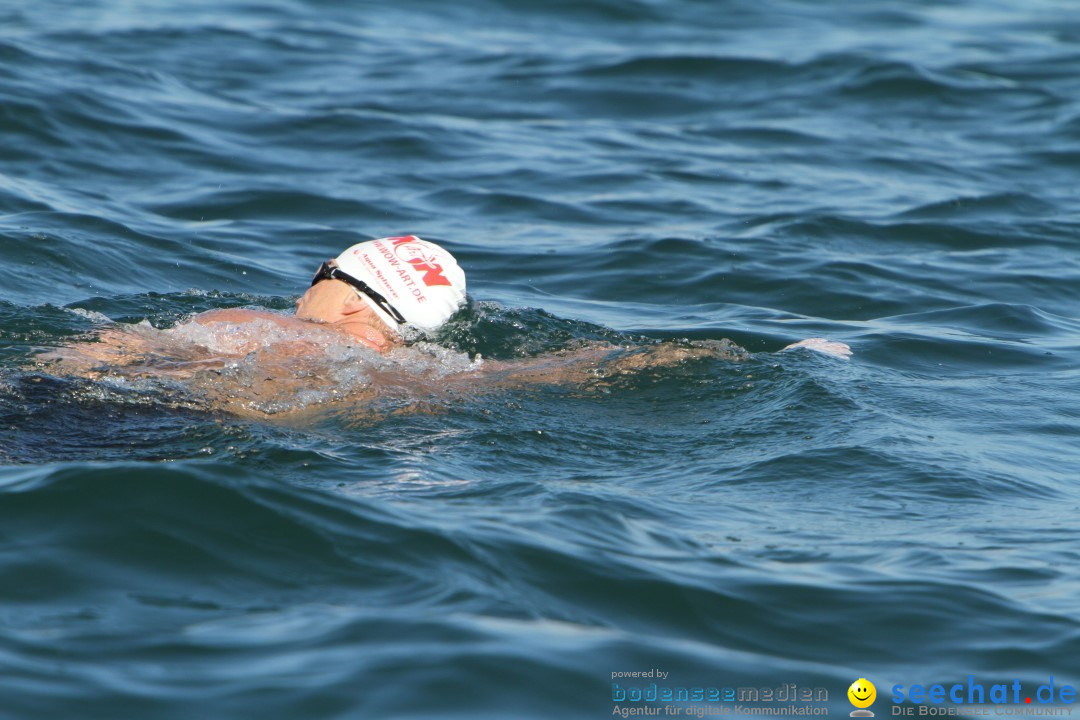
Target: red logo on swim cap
column 420, row 258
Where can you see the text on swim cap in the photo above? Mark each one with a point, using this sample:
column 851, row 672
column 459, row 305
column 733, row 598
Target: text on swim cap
column 419, row 257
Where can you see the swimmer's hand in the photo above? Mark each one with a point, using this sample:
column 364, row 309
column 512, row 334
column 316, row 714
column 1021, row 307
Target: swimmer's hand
column 821, row 345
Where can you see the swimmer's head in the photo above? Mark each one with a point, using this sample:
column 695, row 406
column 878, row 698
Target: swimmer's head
column 404, row 280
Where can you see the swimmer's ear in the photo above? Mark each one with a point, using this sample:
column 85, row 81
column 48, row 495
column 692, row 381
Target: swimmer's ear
column 353, row 306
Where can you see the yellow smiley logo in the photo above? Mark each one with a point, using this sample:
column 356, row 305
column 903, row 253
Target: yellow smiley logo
column 862, row 693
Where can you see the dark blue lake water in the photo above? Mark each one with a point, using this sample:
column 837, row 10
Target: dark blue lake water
column 903, row 177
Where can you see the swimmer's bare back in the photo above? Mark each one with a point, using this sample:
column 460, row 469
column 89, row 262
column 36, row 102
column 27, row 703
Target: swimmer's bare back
column 237, row 317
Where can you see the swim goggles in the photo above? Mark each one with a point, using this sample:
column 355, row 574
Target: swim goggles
column 333, row 272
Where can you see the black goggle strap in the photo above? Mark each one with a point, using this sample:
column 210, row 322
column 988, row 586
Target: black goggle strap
column 331, row 272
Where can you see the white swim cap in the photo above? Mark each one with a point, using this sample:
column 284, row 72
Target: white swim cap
column 419, row 279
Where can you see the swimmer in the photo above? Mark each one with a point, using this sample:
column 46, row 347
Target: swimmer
column 368, row 301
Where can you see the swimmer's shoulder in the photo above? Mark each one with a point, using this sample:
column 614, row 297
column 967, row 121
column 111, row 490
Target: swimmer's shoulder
column 237, row 316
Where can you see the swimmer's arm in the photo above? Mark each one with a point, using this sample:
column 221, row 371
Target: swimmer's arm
column 605, row 361
column 111, row 346
column 128, row 350
column 118, row 345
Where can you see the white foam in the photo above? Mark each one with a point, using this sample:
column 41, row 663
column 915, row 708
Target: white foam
column 242, row 338
column 92, row 315
column 425, row 357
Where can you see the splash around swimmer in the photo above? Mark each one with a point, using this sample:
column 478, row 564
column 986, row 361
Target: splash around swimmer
column 353, row 340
